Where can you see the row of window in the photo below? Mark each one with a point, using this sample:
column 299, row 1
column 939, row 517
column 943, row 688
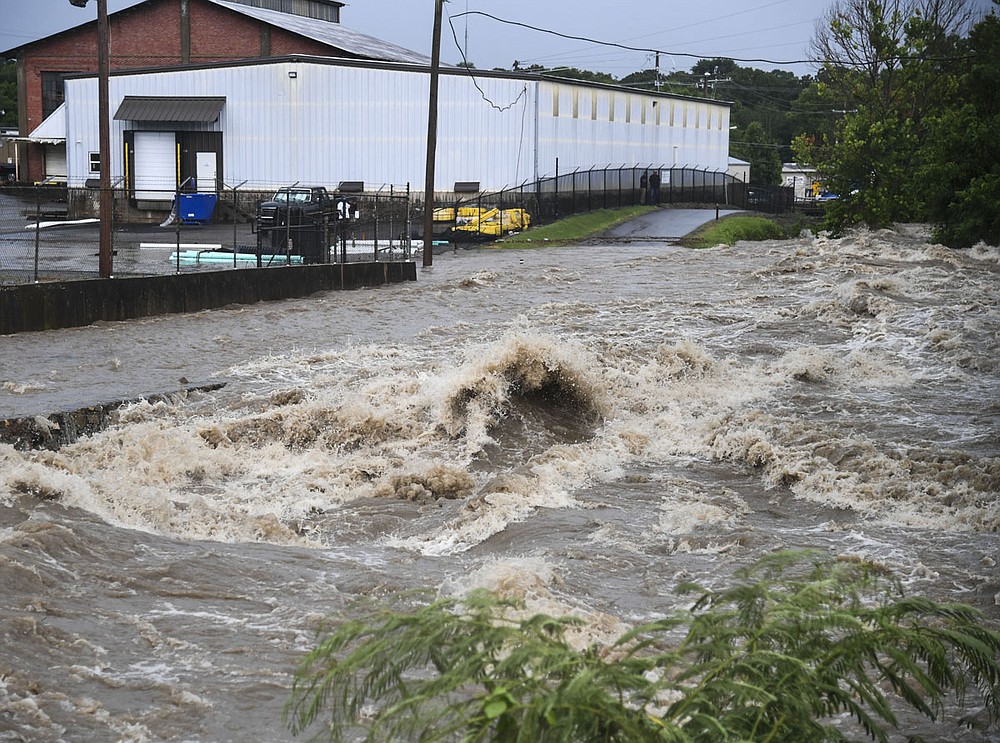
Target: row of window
column 607, row 106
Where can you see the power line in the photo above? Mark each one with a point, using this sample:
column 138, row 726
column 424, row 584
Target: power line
column 468, row 68
column 651, row 50
column 627, row 47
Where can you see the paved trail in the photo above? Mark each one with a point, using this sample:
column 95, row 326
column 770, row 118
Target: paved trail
column 665, row 224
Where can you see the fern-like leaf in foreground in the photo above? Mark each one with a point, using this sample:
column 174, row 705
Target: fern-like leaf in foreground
column 798, row 643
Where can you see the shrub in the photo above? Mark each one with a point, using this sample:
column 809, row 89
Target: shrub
column 798, row 640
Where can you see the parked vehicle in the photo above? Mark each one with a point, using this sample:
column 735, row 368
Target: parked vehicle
column 296, row 221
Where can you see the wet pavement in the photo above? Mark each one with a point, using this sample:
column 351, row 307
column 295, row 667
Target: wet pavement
column 67, row 249
column 666, row 224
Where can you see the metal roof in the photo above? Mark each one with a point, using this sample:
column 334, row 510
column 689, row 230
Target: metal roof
column 52, row 130
column 325, row 32
column 329, row 33
column 170, row 108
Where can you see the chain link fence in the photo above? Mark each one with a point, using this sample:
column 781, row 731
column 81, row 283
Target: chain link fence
column 51, row 233
column 582, row 191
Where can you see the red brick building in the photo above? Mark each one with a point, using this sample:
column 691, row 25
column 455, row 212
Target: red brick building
column 163, row 33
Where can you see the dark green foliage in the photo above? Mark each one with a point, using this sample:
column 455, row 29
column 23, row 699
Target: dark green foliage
column 753, row 145
column 962, row 156
column 916, row 140
column 798, row 640
column 571, row 73
column 8, row 93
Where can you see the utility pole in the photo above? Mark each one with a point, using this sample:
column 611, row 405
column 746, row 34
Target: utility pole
column 104, row 132
column 432, row 106
column 713, row 81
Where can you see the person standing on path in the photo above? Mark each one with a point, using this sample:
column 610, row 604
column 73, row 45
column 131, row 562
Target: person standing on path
column 643, row 185
column 654, row 188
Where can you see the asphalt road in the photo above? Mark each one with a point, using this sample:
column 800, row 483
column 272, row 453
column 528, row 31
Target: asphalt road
column 665, row 224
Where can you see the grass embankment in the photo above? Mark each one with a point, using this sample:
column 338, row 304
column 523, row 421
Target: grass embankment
column 730, row 230
column 573, row 229
column 726, row 231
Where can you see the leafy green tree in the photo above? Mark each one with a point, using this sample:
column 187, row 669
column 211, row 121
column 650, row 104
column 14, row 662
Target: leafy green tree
column 777, row 657
column 753, row 145
column 568, row 72
column 892, row 63
column 765, row 97
column 961, row 174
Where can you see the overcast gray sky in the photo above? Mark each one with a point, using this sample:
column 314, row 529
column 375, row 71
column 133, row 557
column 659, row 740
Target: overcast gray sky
column 773, row 30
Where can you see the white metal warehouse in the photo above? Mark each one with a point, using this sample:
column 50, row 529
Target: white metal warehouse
column 276, row 121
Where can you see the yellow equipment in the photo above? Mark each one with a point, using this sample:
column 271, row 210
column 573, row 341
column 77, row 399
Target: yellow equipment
column 489, row 223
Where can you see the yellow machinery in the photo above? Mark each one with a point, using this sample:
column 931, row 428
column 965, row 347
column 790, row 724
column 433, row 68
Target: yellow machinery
column 458, row 215
column 488, row 224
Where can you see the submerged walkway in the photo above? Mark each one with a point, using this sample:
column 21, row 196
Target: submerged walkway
column 665, row 224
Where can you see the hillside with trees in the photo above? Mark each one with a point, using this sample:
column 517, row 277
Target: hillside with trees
column 917, row 81
column 899, row 120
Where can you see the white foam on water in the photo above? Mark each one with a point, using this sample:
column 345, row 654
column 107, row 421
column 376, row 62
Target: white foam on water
column 21, row 388
column 534, row 583
column 301, row 434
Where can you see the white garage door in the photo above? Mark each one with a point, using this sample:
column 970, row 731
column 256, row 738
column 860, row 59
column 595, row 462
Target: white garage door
column 55, row 162
column 155, row 166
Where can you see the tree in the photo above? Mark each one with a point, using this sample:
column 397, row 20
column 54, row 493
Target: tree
column 754, row 146
column 961, row 172
column 799, row 640
column 8, row 94
column 892, row 63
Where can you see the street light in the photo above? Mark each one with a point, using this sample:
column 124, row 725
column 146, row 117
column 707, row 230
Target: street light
column 104, row 131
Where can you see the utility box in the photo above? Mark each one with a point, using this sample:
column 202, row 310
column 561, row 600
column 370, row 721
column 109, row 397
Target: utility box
column 196, row 208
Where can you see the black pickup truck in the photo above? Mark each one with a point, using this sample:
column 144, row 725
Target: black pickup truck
column 304, row 220
column 296, row 220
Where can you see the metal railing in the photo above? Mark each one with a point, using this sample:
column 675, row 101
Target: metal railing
column 611, row 187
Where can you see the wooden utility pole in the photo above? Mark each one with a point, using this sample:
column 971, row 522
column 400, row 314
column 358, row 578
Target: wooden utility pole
column 104, row 135
column 432, row 106
column 104, row 132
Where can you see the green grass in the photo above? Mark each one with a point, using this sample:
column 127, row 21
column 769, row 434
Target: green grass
column 572, row 229
column 729, row 230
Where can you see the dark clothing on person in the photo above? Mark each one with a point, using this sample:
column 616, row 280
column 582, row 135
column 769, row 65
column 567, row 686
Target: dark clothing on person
column 643, row 186
column 654, row 188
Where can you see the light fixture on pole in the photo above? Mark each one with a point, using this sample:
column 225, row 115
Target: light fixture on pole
column 104, row 131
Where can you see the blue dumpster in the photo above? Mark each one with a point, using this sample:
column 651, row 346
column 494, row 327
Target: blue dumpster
column 196, row 208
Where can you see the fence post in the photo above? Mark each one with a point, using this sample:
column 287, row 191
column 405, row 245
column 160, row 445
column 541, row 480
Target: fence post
column 236, row 212
column 392, row 211
column 556, row 214
column 38, row 225
column 407, row 224
column 177, row 225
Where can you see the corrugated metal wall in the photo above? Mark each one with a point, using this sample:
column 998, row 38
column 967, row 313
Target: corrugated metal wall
column 318, row 122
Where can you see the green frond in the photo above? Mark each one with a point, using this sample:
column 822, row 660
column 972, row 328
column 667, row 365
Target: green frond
column 796, row 642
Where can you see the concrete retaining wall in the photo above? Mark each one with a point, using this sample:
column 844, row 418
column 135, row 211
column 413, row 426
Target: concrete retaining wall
column 55, row 430
column 68, row 304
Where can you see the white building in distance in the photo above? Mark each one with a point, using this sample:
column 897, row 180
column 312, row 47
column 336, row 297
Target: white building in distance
column 271, row 122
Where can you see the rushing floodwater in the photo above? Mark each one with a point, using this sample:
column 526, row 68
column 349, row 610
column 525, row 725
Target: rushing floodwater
column 583, row 428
